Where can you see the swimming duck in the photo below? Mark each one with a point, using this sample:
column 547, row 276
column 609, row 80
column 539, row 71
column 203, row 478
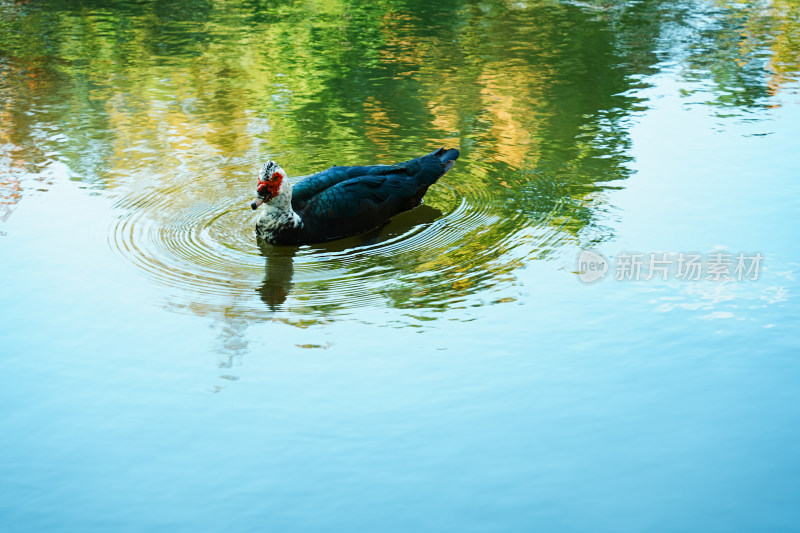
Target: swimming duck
column 342, row 201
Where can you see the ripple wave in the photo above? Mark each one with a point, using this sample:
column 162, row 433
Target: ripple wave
column 206, row 254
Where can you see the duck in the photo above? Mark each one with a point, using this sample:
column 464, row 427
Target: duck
column 343, row 200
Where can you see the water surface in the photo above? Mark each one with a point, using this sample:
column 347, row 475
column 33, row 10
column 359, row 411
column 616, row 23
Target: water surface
column 448, row 371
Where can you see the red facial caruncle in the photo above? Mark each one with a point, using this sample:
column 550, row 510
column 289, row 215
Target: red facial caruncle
column 269, row 189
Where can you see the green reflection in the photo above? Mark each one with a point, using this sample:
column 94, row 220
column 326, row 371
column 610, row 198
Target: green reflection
column 171, row 107
column 745, row 52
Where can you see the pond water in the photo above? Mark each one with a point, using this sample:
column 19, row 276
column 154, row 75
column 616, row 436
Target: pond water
column 453, row 370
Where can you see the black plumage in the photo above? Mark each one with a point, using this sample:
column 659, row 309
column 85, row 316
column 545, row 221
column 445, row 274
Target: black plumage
column 344, row 201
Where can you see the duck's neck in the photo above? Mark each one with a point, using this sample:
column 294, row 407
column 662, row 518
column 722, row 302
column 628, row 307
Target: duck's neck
column 277, row 215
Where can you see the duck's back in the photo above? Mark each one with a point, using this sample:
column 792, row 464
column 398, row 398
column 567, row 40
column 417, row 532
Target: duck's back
column 343, row 201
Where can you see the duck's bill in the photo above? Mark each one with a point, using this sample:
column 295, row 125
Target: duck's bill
column 259, row 200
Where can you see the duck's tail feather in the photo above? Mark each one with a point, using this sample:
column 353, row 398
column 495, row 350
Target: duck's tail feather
column 447, row 156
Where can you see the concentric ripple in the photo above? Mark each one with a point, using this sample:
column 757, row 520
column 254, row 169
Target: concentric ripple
column 205, row 253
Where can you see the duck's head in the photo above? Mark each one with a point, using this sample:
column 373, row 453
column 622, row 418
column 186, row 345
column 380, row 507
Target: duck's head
column 270, row 179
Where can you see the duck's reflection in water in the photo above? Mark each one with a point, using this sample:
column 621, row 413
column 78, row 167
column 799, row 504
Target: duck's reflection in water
column 279, row 274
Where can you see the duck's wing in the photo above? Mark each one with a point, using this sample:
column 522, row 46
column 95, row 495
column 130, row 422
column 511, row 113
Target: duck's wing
column 347, row 198
column 369, row 197
column 425, row 169
column 306, row 190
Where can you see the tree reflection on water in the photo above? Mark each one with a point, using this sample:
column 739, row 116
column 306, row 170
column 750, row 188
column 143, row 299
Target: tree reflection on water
column 170, row 107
